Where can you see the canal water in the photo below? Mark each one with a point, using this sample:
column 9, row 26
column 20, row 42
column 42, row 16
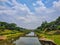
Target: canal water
column 28, row 40
column 30, row 34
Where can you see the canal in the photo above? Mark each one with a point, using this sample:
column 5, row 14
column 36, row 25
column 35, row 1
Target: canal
column 28, row 40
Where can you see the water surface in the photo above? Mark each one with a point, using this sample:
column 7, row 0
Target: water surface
column 30, row 34
column 28, row 41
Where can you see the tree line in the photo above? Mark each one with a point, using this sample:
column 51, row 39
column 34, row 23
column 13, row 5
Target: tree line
column 54, row 25
column 10, row 26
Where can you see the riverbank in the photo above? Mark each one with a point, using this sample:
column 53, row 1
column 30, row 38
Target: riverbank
column 53, row 36
column 10, row 35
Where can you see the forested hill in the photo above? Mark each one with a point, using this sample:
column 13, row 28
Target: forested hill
column 54, row 25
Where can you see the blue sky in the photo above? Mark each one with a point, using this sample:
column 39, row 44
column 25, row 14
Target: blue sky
column 29, row 13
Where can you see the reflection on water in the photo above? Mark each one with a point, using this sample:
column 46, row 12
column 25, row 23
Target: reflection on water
column 27, row 41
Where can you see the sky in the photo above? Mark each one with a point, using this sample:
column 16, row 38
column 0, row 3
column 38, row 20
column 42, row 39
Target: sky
column 29, row 13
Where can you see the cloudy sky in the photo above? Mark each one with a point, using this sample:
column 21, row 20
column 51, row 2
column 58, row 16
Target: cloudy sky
column 29, row 13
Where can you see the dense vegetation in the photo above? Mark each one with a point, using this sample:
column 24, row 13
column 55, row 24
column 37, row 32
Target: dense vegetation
column 11, row 26
column 54, row 25
column 9, row 31
column 50, row 30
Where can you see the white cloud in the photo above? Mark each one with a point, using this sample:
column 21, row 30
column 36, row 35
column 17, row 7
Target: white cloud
column 28, row 18
column 4, row 0
column 47, row 13
column 31, row 18
column 16, row 10
column 40, row 3
column 56, row 5
column 22, row 12
column 42, row 8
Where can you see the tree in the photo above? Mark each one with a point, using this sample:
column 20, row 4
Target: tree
column 58, row 21
column 58, row 27
column 53, row 25
column 43, row 25
column 3, row 25
column 11, row 26
column 17, row 28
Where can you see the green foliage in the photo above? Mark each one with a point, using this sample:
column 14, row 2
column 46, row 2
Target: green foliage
column 54, row 25
column 51, row 30
column 43, row 25
column 2, row 28
column 58, row 27
column 11, row 26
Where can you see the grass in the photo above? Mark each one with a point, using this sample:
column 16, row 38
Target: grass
column 55, row 38
column 50, row 36
column 9, row 34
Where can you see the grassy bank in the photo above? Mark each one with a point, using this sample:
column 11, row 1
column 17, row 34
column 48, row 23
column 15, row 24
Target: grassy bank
column 51, row 36
column 7, row 37
column 10, row 35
